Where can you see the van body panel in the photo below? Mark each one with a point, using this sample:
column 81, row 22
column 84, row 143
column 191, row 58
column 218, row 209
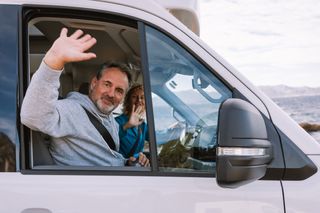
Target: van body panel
column 82, row 194
column 290, row 128
column 302, row 196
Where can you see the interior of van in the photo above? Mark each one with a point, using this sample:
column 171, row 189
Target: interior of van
column 115, row 42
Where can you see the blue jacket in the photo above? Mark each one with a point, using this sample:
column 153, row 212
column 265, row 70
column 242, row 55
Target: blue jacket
column 128, row 137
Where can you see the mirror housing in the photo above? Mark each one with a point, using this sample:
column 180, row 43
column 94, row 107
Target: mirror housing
column 243, row 148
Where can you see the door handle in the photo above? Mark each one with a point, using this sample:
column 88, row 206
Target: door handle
column 36, row 210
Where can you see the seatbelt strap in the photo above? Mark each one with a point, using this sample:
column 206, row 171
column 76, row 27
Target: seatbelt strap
column 101, row 129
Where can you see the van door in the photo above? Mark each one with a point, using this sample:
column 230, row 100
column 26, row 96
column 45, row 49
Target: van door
column 183, row 94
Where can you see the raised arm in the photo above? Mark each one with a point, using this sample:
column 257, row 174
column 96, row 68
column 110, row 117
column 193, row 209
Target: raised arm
column 39, row 110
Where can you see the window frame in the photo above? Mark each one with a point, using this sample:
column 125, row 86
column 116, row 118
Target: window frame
column 29, row 13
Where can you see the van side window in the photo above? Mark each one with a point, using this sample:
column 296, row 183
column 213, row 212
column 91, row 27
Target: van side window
column 186, row 97
column 9, row 66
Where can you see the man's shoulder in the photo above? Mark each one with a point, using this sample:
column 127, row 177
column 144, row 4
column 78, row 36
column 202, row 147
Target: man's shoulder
column 77, row 97
column 73, row 99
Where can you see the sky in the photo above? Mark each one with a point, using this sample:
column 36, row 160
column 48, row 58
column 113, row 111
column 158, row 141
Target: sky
column 271, row 42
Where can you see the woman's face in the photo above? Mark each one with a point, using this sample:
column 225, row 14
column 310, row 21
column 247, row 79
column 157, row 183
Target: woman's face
column 137, row 98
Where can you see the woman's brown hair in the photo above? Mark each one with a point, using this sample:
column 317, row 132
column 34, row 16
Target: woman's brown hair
column 126, row 103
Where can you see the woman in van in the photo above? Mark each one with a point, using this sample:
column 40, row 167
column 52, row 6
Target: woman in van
column 132, row 126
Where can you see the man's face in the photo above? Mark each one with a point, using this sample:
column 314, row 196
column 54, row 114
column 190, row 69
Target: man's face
column 108, row 92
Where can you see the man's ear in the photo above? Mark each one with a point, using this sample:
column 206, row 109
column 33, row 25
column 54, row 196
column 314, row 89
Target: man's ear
column 93, row 83
column 124, row 97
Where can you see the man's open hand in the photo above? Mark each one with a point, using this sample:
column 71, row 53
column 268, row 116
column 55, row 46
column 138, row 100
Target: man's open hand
column 69, row 49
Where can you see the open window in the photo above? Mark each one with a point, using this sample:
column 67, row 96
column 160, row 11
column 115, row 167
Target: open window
column 118, row 40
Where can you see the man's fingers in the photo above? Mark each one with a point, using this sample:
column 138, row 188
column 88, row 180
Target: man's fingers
column 64, row 32
column 85, row 38
column 87, row 56
column 88, row 44
column 76, row 34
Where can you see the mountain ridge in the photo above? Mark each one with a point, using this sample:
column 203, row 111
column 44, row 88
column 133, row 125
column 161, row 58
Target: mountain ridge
column 280, row 91
column 277, row 91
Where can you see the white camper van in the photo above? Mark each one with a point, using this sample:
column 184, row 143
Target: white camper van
column 216, row 142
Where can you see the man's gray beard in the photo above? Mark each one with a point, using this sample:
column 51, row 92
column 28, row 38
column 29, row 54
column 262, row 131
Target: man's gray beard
column 105, row 110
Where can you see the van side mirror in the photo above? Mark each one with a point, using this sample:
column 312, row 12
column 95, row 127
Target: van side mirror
column 243, row 149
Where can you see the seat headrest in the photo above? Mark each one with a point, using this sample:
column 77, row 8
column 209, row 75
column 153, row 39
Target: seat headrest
column 84, row 88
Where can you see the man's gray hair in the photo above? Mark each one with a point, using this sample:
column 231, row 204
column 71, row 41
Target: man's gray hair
column 113, row 64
